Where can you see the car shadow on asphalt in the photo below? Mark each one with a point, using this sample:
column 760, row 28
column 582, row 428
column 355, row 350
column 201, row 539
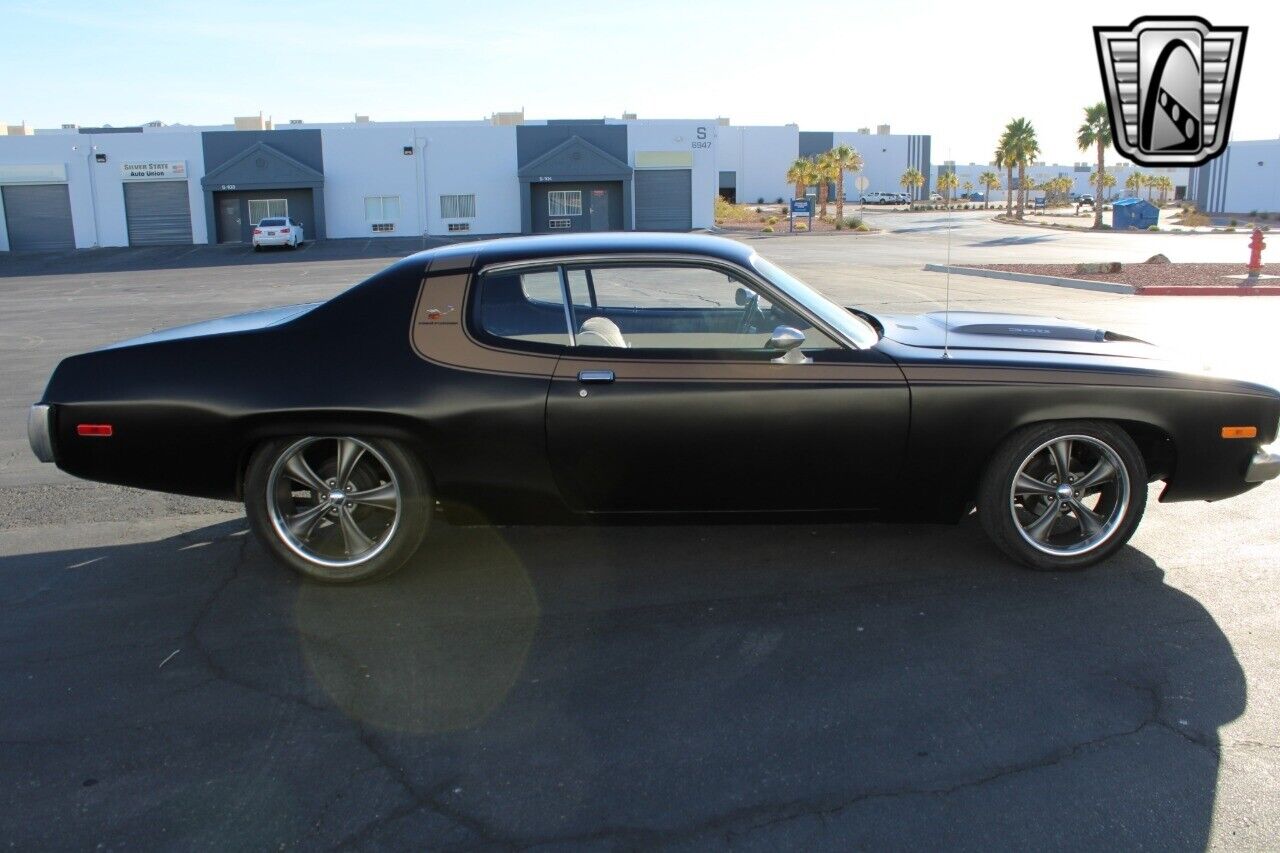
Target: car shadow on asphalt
column 817, row 687
column 1015, row 241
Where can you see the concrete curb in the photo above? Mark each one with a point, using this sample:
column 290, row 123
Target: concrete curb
column 1239, row 290
column 1056, row 281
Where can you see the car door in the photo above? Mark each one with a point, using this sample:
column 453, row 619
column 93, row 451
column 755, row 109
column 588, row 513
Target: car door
column 669, row 400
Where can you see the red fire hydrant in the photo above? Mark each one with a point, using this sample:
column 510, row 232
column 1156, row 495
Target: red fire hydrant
column 1256, row 245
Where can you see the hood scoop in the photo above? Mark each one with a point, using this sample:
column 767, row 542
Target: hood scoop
column 984, row 330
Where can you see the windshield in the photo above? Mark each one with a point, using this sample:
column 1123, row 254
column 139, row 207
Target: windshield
column 848, row 324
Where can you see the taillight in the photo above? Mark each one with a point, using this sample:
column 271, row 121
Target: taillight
column 98, row 430
column 257, row 231
column 284, row 230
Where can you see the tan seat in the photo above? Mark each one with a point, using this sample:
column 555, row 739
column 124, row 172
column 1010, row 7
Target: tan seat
column 600, row 332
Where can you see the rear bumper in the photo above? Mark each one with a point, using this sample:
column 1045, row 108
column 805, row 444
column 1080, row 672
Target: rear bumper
column 278, row 240
column 40, row 431
column 1265, row 465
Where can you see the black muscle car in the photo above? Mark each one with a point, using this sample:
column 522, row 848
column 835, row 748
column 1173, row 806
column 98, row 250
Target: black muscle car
column 617, row 376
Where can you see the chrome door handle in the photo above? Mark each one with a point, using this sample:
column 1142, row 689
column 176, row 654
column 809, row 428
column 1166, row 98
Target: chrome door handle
column 587, row 377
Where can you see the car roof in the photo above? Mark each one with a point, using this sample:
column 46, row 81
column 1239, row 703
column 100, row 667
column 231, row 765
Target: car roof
column 609, row 242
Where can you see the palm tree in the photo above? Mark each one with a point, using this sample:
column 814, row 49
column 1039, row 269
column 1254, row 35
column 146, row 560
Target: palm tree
column 968, row 188
column 826, row 170
column 800, row 173
column 911, row 180
column 947, row 181
column 1095, row 132
column 989, row 181
column 1135, row 182
column 1004, row 160
column 1023, row 147
column 1104, row 181
column 1164, row 184
column 846, row 159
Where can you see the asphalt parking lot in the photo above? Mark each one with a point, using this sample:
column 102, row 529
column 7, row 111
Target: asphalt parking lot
column 162, row 684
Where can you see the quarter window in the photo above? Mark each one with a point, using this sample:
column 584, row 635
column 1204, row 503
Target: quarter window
column 527, row 307
column 381, row 208
column 564, row 203
column 263, row 208
column 458, row 206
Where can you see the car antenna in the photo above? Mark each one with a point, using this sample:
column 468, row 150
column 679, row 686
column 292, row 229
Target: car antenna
column 946, row 309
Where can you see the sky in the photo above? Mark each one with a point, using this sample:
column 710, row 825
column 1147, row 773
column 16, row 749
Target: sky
column 947, row 68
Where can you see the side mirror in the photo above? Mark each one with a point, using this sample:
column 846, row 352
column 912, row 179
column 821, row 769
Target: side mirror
column 788, row 339
column 742, row 297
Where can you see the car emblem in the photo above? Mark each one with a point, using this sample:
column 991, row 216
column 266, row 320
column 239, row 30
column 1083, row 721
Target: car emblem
column 437, row 314
column 1170, row 85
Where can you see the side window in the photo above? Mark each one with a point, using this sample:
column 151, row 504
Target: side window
column 677, row 306
column 523, row 306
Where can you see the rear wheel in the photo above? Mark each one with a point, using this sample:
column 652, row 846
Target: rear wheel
column 338, row 509
column 1063, row 495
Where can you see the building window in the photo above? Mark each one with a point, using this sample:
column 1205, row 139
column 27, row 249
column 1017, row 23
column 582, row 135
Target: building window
column 383, row 227
column 458, row 206
column 559, row 223
column 564, row 203
column 381, row 208
column 459, row 226
column 267, row 208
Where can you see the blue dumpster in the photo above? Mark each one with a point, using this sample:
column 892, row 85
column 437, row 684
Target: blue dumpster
column 1134, row 213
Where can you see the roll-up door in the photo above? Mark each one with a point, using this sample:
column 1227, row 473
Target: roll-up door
column 38, row 217
column 158, row 212
column 664, row 199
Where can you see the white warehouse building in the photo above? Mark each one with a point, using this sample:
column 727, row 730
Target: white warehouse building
column 79, row 187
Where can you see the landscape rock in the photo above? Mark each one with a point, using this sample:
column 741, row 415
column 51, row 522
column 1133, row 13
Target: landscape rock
column 1157, row 259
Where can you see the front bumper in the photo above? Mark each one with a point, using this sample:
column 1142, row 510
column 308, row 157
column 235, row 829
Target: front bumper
column 1265, row 464
column 40, row 431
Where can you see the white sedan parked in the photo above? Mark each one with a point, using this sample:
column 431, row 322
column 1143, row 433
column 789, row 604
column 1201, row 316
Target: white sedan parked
column 277, row 231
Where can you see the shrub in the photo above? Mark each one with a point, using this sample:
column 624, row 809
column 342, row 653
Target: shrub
column 1254, row 214
column 780, row 201
column 772, row 220
column 759, row 210
column 1233, row 222
column 768, row 229
column 1153, row 227
column 801, row 226
column 760, row 200
column 853, row 223
column 1229, row 230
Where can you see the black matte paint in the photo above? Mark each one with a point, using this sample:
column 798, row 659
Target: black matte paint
column 188, row 409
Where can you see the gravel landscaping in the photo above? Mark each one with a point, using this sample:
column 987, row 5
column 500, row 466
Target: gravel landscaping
column 1149, row 276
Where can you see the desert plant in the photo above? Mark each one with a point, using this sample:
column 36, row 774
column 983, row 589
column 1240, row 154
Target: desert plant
column 911, row 180
column 760, row 200
column 1095, row 132
column 947, row 181
column 772, row 220
column 1153, row 227
column 780, row 200
column 768, row 229
column 801, row 226
column 1021, row 145
column 846, row 159
column 1233, row 222
column 989, row 181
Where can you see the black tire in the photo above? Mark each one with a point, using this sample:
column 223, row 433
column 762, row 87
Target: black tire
column 403, row 536
column 1123, row 500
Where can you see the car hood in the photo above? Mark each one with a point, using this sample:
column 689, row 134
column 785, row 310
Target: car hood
column 223, row 325
column 980, row 330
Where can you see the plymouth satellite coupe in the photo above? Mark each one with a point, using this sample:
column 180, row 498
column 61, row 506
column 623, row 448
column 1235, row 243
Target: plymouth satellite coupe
column 622, row 376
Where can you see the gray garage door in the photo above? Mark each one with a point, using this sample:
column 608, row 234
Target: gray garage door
column 158, row 212
column 38, row 218
column 664, row 199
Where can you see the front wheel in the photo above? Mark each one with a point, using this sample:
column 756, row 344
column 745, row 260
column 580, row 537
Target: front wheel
column 338, row 509
column 1064, row 495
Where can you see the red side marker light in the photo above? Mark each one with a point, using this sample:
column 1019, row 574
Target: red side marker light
column 98, row 430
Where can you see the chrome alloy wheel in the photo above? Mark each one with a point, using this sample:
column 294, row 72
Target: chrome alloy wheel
column 334, row 502
column 1070, row 495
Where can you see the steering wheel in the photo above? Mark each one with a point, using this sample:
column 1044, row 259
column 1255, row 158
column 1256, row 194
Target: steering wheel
column 752, row 307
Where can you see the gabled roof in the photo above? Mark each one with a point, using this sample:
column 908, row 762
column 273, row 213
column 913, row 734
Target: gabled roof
column 576, row 159
column 261, row 165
